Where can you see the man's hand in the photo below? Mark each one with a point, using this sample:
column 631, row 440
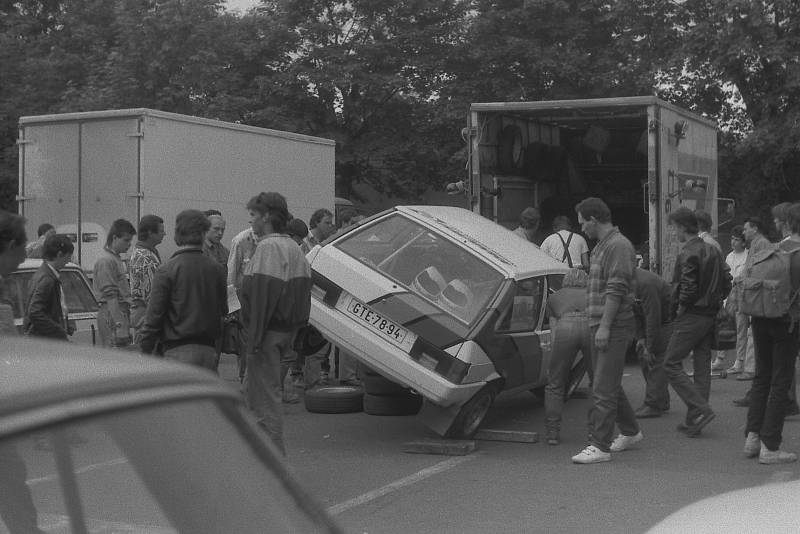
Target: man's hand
column 641, row 351
column 601, row 337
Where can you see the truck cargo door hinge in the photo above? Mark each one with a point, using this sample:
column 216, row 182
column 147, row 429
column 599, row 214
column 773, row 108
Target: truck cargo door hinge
column 23, row 198
column 136, row 195
column 24, row 141
column 136, row 134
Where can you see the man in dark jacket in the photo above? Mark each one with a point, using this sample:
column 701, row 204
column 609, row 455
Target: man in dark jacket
column 188, row 299
column 47, row 314
column 701, row 281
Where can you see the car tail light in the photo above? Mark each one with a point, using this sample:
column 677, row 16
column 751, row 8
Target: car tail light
column 439, row 361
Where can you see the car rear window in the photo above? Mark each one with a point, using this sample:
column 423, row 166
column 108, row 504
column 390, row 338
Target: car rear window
column 427, row 263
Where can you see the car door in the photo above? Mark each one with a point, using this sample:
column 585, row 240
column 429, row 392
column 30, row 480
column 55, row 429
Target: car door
column 519, row 344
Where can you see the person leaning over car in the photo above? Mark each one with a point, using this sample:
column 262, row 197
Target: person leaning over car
column 46, row 315
column 112, row 287
column 276, row 301
column 188, row 299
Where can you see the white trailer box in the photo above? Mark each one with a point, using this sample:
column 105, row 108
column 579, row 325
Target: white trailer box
column 81, row 171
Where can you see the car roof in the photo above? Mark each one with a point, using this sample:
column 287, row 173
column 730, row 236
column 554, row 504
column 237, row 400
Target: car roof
column 34, row 263
column 43, row 382
column 516, row 256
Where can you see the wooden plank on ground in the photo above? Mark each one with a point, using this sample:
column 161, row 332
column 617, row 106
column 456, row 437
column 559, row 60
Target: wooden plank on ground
column 507, row 435
column 449, row 447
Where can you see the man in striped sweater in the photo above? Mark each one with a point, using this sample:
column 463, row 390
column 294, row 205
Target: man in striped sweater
column 276, row 300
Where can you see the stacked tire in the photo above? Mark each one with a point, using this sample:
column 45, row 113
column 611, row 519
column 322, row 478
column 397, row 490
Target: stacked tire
column 385, row 397
column 334, row 399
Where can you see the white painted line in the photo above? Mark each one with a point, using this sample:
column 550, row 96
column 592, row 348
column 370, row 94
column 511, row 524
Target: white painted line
column 80, row 470
column 399, row 484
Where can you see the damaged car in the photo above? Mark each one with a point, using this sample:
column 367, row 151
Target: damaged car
column 444, row 302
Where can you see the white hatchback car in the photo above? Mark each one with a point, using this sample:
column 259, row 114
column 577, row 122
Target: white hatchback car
column 443, row 301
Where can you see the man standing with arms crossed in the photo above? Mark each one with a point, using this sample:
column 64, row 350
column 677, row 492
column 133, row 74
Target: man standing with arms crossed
column 610, row 296
column 276, row 301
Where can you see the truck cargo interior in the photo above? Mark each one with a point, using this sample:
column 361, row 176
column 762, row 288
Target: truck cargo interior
column 554, row 158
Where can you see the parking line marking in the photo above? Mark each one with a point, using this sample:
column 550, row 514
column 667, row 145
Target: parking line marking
column 81, row 470
column 399, row 484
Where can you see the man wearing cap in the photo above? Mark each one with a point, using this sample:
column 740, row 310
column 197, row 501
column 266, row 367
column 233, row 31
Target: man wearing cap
column 528, row 224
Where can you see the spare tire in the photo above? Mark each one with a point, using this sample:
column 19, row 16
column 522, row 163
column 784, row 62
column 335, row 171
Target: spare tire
column 334, row 399
column 407, row 404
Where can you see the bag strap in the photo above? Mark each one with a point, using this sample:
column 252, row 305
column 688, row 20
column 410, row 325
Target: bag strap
column 566, row 248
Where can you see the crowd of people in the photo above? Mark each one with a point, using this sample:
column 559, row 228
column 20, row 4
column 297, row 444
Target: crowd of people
column 674, row 322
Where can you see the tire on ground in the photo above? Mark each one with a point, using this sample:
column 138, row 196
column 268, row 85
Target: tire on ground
column 405, row 404
column 334, row 399
column 375, row 384
column 471, row 414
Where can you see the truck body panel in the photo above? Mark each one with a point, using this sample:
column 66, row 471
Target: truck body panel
column 81, row 171
column 641, row 155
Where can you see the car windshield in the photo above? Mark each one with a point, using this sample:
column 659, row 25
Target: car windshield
column 175, row 467
column 427, row 263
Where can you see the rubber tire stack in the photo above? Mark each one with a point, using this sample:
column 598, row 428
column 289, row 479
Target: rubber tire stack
column 384, row 397
column 334, row 399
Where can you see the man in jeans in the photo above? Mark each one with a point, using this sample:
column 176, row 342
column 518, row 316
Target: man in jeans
column 701, row 281
column 610, row 296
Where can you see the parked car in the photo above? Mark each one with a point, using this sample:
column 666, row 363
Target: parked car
column 100, row 441
column 443, row 301
column 80, row 299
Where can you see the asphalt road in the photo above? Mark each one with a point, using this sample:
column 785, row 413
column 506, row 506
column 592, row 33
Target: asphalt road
column 354, row 465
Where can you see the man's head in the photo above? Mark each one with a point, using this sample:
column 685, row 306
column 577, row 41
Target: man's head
column 297, row 230
column 58, row 249
column 346, row 218
column 737, row 238
column 684, row 222
column 752, row 227
column 190, row 228
column 269, row 213
column 151, row 230
column 704, row 222
column 120, row 235
column 321, row 224
column 529, row 219
column 561, row 222
column 217, row 229
column 780, row 216
column 593, row 214
column 45, row 229
column 12, row 242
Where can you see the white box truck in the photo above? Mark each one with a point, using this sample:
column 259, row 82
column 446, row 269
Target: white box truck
column 81, row 171
column 642, row 155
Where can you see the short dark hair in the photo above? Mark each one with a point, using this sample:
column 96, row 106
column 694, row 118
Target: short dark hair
column 346, row 216
column 793, row 218
column 209, row 213
column 685, row 218
column 296, row 227
column 562, row 221
column 57, row 244
column 191, row 227
column 274, row 206
column 12, row 230
column 317, row 216
column 43, row 229
column 530, row 218
column 738, row 232
column 148, row 224
column 593, row 207
column 119, row 228
column 756, row 223
column 781, row 211
column 704, row 222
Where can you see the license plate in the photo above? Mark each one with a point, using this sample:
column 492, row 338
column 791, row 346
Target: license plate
column 384, row 326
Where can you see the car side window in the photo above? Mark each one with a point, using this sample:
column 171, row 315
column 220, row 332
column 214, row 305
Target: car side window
column 79, row 295
column 523, row 310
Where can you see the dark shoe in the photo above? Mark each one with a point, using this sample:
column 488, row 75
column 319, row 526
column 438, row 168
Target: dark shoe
column 746, row 376
column 744, row 402
column 682, row 428
column 699, row 423
column 645, row 412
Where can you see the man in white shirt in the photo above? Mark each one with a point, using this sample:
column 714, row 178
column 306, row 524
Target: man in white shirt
column 565, row 245
column 744, row 341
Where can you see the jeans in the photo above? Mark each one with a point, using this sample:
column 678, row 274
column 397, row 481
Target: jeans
column 138, row 313
column 570, row 336
column 200, row 355
column 609, row 403
column 263, row 382
column 655, row 376
column 691, row 332
column 776, row 350
column 745, row 355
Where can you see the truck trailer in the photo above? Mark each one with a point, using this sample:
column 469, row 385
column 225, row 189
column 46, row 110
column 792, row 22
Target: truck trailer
column 643, row 156
column 81, row 171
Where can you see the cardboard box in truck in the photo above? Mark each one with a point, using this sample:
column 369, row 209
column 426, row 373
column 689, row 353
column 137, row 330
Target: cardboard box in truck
column 641, row 155
column 81, row 171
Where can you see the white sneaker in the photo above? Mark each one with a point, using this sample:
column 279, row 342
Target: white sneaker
column 752, row 445
column 591, row 455
column 622, row 441
column 767, row 456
